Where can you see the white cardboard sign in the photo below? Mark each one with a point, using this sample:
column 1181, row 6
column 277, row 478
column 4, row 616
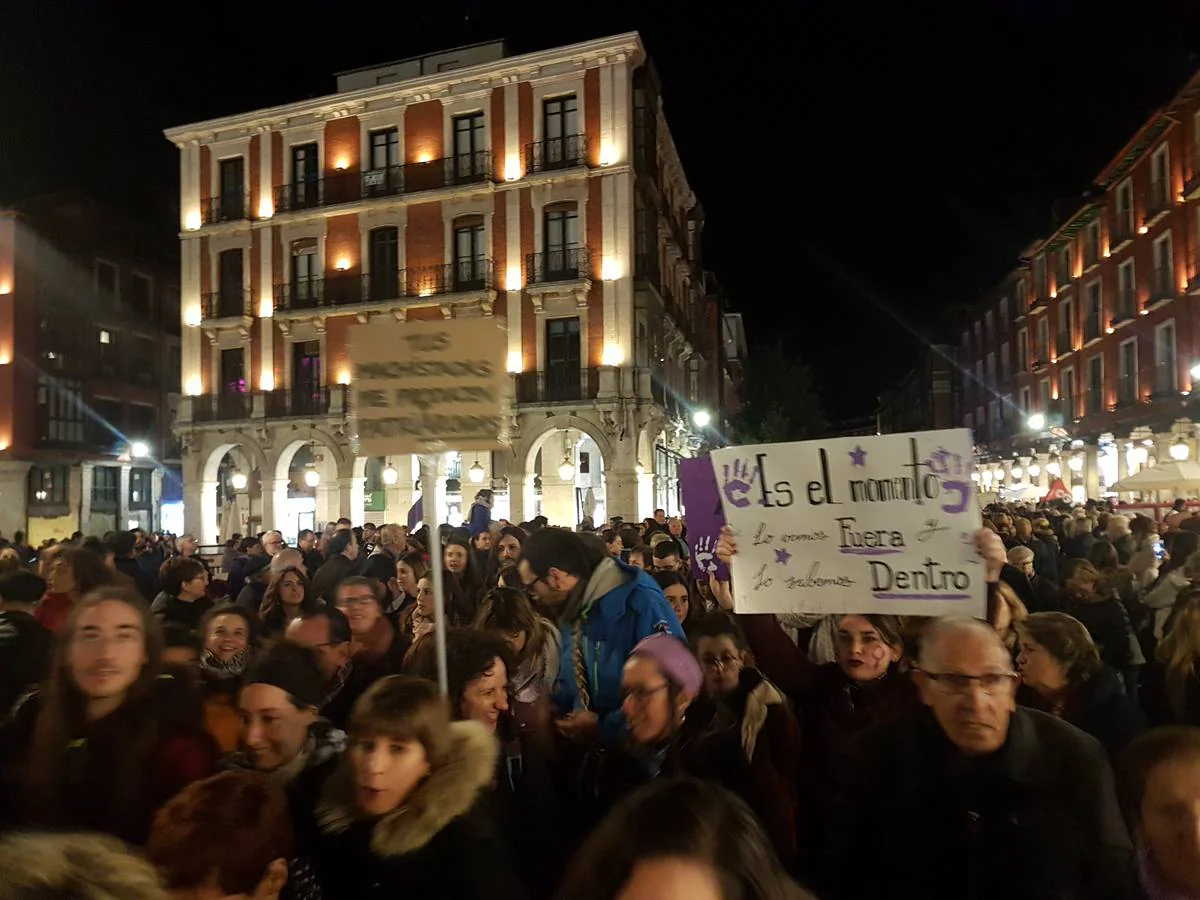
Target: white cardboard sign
column 876, row 524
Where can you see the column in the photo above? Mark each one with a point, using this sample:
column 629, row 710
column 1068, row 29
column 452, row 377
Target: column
column 156, row 480
column 358, row 500
column 328, row 502
column 644, row 508
column 200, row 510
column 123, row 499
column 438, row 515
column 87, row 479
column 1091, row 470
column 623, row 490
column 558, row 496
column 518, row 482
column 279, row 504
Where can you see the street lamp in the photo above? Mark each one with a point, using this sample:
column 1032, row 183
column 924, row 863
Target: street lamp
column 1180, row 449
column 566, row 469
column 1036, row 422
column 1195, row 371
column 1034, row 470
column 238, row 481
column 701, row 418
column 390, row 476
column 138, row 449
column 1017, row 472
column 1054, row 466
column 312, row 478
column 475, row 473
column 1075, row 463
column 1137, row 455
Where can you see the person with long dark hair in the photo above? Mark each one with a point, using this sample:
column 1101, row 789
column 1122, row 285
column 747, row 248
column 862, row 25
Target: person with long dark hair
column 460, row 566
column 107, row 740
column 287, row 597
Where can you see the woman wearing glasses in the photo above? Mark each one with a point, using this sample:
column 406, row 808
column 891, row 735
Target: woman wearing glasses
column 741, row 731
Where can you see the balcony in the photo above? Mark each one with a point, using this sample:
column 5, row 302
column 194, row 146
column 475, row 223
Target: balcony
column 1062, row 282
column 1091, row 328
column 1091, row 256
column 1041, row 358
column 1062, row 343
column 1040, row 302
column 297, row 402
column 567, row 269
column 1162, row 285
column 222, row 407
column 557, row 385
column 1122, row 229
column 385, row 287
column 1127, row 395
column 1191, row 184
column 349, row 187
column 230, row 208
column 230, row 303
column 566, row 152
column 1125, row 308
column 1166, row 383
column 1158, row 201
column 1093, row 401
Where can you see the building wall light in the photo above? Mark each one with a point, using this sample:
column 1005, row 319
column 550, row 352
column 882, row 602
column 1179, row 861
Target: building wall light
column 512, row 279
column 612, row 355
column 515, row 362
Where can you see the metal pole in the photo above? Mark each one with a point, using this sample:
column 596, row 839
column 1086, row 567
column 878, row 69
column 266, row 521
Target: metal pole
column 429, row 463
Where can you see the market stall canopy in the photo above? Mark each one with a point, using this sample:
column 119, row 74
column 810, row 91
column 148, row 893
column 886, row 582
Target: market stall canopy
column 1168, row 476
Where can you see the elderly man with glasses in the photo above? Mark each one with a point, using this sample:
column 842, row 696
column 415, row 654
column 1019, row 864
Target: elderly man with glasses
column 977, row 797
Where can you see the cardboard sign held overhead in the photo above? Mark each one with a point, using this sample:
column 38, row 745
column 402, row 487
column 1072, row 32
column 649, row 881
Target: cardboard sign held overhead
column 427, row 387
column 878, row 524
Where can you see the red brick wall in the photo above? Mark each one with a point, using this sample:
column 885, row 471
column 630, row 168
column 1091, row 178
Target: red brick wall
column 342, row 242
column 595, row 243
column 256, row 352
column 496, row 118
column 423, row 131
column 207, row 377
column 500, row 252
column 425, row 237
column 254, row 172
column 337, row 346
column 342, row 145
column 205, row 173
column 529, row 323
column 591, row 114
column 425, row 314
column 525, row 113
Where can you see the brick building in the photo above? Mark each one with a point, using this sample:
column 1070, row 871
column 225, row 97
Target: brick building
column 923, row 400
column 1080, row 362
column 89, row 370
column 542, row 189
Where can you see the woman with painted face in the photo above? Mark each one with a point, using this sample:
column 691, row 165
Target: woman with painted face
column 107, row 740
column 400, row 816
column 741, row 731
column 284, row 737
column 229, row 635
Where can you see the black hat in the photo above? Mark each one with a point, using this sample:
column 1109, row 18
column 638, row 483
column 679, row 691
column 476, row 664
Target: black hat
column 293, row 670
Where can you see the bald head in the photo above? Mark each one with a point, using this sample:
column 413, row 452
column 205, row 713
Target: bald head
column 392, row 537
column 947, row 633
column 288, row 557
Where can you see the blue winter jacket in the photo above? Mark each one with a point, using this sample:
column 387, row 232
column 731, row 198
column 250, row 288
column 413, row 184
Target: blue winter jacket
column 480, row 518
column 612, row 626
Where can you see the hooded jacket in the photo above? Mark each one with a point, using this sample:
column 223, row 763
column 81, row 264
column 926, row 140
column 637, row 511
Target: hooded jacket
column 609, row 612
column 437, row 844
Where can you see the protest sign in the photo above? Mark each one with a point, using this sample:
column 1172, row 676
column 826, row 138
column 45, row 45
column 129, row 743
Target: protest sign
column 424, row 387
column 879, row 524
column 702, row 500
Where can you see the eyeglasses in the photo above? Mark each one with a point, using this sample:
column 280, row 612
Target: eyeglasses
column 958, row 683
column 640, row 695
column 347, row 602
column 725, row 661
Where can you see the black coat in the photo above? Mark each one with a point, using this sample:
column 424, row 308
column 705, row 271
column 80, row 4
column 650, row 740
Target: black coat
column 26, row 648
column 439, row 844
column 324, row 583
column 1108, row 624
column 1101, row 708
column 1037, row 820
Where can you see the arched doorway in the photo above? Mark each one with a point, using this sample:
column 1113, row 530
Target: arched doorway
column 307, row 488
column 231, row 497
column 565, row 477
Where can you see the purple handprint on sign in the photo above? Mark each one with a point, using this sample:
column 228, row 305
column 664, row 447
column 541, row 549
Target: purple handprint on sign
column 705, row 551
column 945, row 464
column 736, row 485
column 705, row 516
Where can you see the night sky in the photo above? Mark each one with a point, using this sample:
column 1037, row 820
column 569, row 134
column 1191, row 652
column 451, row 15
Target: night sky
column 861, row 168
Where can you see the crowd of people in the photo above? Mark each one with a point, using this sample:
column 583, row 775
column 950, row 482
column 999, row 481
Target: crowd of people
column 268, row 722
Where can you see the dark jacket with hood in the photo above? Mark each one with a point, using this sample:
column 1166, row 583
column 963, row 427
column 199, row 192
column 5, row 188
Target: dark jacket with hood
column 436, row 845
column 170, row 610
column 1038, row 819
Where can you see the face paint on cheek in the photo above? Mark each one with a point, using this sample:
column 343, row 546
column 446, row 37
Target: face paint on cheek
column 879, row 654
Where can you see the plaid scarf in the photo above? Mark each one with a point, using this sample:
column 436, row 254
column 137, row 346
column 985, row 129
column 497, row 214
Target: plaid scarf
column 225, row 669
column 338, row 682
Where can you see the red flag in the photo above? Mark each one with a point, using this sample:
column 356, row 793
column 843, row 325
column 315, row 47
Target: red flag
column 1058, row 491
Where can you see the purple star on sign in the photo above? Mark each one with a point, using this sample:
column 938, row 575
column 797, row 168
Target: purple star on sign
column 858, row 457
column 782, row 556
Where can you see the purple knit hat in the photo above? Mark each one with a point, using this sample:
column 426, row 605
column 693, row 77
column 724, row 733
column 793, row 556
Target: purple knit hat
column 678, row 664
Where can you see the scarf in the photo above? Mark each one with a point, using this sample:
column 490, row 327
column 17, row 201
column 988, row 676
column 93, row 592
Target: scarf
column 225, row 669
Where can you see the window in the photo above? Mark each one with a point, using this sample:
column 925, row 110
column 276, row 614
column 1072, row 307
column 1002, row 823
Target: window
column 585, row 463
column 1125, row 291
column 306, row 175
column 49, row 485
column 1044, row 395
column 989, row 327
column 108, row 352
column 561, row 140
column 174, row 366
column 141, row 297
column 1063, row 276
column 144, row 360
column 106, row 282
column 1022, row 295
column 1095, row 312
column 1023, row 350
column 233, row 371
column 1127, row 372
column 1091, row 244
column 143, row 423
column 563, row 359
column 991, row 370
column 108, row 424
column 60, row 411
column 978, row 333
column 1039, row 278
column 230, row 302
column 1160, row 181
column 140, row 488
column 105, row 336
column 1123, row 222
column 560, row 236
column 233, row 188
column 304, row 290
column 979, row 375
column 1066, row 329
column 106, row 488
column 470, row 254
column 1066, row 394
column 1004, row 314
column 1025, row 407
column 383, row 263
column 306, row 367
column 1041, row 353
column 1095, row 384
column 1166, row 374
column 1164, row 268
column 1004, row 361
column 385, row 148
column 470, row 148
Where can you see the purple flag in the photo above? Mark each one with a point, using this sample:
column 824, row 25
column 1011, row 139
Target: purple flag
column 417, row 512
column 705, row 517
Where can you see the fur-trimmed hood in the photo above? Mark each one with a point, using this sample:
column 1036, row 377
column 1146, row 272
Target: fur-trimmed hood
column 448, row 792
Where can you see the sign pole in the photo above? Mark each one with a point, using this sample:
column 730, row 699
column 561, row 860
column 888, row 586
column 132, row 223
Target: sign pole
column 429, row 464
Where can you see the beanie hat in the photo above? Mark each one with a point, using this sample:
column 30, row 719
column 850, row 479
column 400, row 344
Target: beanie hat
column 678, row 664
column 293, row 670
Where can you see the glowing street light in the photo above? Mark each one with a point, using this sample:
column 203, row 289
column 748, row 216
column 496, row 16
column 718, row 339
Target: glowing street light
column 1180, row 449
column 312, row 478
column 566, row 469
column 139, row 450
column 390, row 476
column 238, row 481
column 701, row 418
column 475, row 473
column 1036, row 422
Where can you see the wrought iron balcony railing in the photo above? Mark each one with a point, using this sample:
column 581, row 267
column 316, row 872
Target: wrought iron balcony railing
column 222, row 407
column 227, row 208
column 296, row 402
column 558, row 385
column 560, row 264
column 459, row 277
column 1122, row 227
column 227, row 303
column 563, row 152
column 1158, row 199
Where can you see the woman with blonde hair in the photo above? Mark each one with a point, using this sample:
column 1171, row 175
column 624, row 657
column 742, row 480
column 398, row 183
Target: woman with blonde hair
column 1086, row 597
column 1008, row 614
column 1172, row 692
